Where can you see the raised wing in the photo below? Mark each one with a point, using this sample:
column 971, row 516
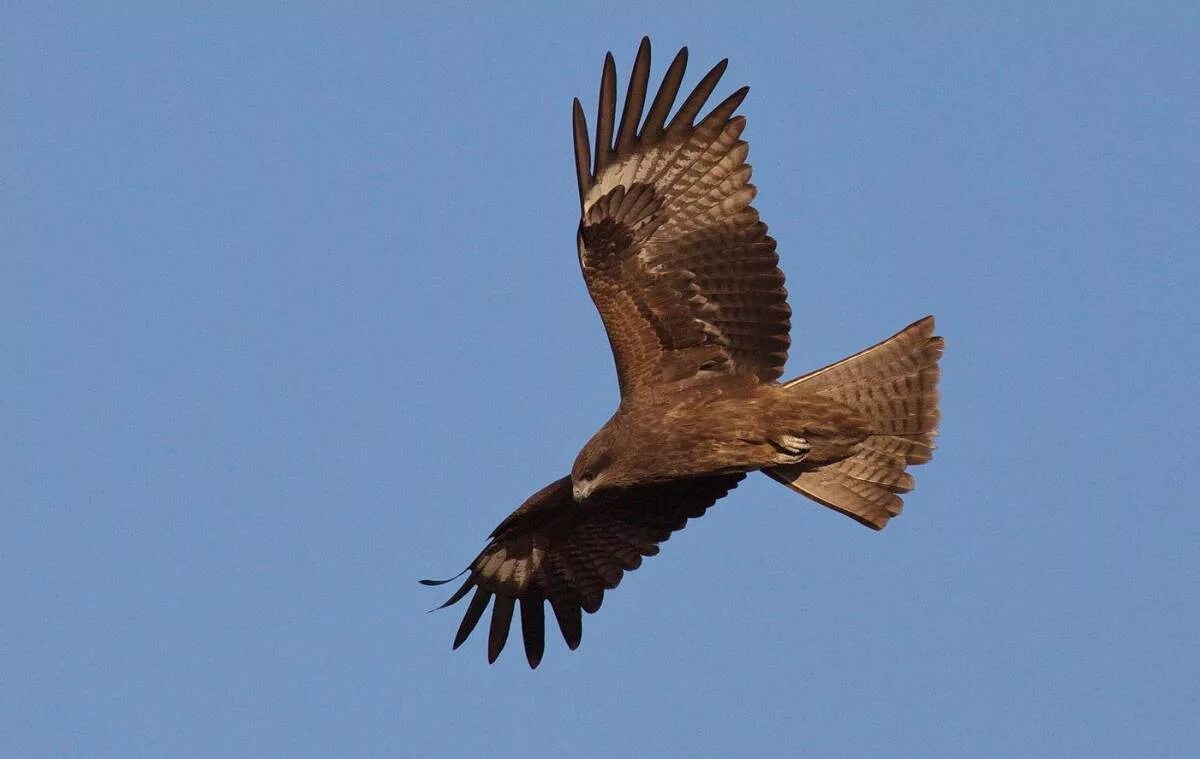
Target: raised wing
column 682, row 270
column 554, row 549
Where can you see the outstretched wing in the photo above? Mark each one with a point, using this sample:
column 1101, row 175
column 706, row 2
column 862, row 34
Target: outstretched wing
column 554, row 549
column 682, row 270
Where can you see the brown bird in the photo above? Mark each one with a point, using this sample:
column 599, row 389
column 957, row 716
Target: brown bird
column 687, row 282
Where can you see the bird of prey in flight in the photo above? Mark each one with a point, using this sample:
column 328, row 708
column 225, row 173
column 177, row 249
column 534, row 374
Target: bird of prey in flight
column 687, row 283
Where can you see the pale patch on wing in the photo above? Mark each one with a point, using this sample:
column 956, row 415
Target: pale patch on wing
column 621, row 173
column 491, row 564
column 511, row 571
column 524, row 568
column 679, row 163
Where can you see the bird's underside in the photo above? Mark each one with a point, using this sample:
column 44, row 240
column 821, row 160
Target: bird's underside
column 687, row 283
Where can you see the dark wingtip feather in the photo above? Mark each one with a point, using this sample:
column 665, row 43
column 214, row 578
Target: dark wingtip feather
column 635, row 98
column 456, row 597
column 443, row 582
column 533, row 629
column 605, row 114
column 686, row 116
column 502, row 612
column 740, row 94
column 479, row 602
column 570, row 622
column 583, row 151
column 656, row 119
column 724, row 110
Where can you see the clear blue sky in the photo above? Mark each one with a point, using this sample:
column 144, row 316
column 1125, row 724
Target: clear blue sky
column 291, row 317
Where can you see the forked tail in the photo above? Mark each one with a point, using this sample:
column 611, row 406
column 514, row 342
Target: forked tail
column 893, row 385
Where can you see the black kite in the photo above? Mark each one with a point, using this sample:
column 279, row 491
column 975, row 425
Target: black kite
column 687, row 282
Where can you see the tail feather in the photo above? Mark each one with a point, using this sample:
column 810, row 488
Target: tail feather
column 914, row 449
column 893, row 386
column 861, row 501
column 871, row 467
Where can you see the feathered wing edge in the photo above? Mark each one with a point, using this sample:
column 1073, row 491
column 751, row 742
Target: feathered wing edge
column 589, row 167
column 553, row 549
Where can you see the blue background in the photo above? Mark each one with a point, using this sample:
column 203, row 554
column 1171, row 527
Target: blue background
column 291, row 317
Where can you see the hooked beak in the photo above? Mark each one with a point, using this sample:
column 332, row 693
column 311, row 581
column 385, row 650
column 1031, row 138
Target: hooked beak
column 581, row 491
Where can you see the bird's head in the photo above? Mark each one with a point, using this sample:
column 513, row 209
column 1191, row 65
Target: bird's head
column 591, row 471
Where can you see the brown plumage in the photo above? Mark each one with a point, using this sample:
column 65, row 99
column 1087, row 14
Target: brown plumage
column 687, row 283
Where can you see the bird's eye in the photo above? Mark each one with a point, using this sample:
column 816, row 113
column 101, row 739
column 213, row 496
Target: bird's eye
column 588, row 476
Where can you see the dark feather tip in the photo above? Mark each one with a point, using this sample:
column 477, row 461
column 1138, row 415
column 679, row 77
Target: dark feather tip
column 443, row 582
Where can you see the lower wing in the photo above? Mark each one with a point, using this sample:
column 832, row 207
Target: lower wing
column 554, row 549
